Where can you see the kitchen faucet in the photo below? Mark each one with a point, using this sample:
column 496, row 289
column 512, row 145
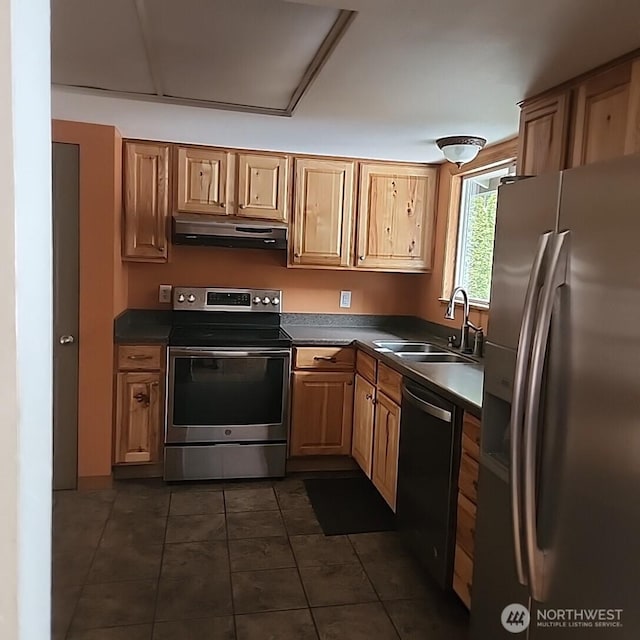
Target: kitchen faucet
column 466, row 325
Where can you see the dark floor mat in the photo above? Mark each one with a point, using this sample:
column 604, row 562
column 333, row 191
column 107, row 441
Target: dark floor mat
column 349, row 505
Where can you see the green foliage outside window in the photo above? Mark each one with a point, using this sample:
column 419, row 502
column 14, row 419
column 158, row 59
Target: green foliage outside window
column 478, row 254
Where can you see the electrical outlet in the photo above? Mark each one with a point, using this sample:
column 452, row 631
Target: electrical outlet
column 164, row 293
column 345, row 299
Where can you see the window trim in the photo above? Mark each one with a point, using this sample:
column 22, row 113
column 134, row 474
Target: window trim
column 496, row 157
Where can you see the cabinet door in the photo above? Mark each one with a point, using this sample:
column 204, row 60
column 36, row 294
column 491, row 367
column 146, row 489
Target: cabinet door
column 396, row 217
column 363, row 412
column 321, row 414
column 603, row 116
column 138, row 418
column 386, row 438
column 146, row 201
column 323, row 212
column 263, row 186
column 542, row 140
column 202, row 180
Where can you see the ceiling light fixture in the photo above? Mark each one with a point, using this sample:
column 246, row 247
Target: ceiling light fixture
column 460, row 149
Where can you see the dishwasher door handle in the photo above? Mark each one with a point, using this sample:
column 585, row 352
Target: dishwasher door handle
column 427, row 407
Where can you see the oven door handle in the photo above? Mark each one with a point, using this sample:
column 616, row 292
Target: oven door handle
column 211, row 353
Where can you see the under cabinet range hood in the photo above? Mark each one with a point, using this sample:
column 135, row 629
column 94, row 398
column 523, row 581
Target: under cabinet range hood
column 216, row 232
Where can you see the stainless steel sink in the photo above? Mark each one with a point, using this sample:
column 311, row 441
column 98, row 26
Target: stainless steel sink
column 433, row 357
column 409, row 347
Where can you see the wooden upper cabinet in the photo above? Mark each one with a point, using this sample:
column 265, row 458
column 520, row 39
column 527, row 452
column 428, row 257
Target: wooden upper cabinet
column 605, row 126
column 364, row 398
column 146, row 201
column 542, row 144
column 138, row 423
column 323, row 213
column 263, row 186
column 202, row 180
column 396, row 217
column 321, row 413
column 386, row 445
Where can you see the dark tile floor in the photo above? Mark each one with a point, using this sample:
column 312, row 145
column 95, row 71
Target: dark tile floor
column 231, row 561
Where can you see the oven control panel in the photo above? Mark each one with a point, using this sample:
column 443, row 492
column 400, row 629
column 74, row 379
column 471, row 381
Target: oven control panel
column 221, row 299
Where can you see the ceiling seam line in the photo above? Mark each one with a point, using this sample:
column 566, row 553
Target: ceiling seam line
column 147, row 41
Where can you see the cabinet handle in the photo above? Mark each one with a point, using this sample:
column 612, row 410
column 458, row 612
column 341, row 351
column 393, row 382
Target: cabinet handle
column 325, row 358
column 141, row 397
column 139, row 357
column 369, row 396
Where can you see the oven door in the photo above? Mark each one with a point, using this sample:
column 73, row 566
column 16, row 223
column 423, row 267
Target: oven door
column 226, row 395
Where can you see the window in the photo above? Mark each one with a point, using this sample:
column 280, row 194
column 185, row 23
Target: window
column 476, row 227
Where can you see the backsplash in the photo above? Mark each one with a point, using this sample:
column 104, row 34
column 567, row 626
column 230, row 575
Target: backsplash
column 304, row 290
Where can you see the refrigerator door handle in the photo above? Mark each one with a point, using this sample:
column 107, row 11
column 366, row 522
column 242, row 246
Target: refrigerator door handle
column 556, row 278
column 517, row 403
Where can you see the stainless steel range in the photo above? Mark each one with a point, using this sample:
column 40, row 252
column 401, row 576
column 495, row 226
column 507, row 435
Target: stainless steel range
column 228, row 382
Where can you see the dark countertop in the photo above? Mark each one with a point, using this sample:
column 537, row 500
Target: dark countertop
column 139, row 326
column 458, row 382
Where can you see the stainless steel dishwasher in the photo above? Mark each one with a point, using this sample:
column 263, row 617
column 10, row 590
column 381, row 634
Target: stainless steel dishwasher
column 429, row 459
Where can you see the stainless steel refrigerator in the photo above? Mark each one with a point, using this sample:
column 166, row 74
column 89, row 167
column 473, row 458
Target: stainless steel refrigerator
column 558, row 528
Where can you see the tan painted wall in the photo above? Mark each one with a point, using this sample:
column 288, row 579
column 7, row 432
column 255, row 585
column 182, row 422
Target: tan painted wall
column 103, row 285
column 304, row 290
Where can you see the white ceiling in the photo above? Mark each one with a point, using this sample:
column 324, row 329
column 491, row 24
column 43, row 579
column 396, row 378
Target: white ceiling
column 405, row 72
column 249, row 53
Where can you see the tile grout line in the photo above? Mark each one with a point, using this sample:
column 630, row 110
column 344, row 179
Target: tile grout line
column 231, row 597
column 86, row 576
column 164, row 543
column 295, row 559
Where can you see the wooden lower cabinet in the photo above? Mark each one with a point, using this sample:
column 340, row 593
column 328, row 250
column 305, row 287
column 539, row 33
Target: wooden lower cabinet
column 321, row 413
column 467, row 507
column 462, row 575
column 386, row 442
column 364, row 399
column 138, row 412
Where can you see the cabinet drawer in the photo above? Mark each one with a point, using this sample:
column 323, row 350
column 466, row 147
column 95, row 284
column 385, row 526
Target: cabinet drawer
column 462, row 576
column 327, row 358
column 468, row 480
column 466, row 524
column 471, row 435
column 140, row 357
column 390, row 382
column 366, row 366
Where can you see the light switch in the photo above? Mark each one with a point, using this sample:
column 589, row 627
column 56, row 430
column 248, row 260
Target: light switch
column 164, row 293
column 345, row 299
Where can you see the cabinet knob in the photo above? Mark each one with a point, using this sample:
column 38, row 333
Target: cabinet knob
column 222, row 204
column 361, row 258
column 296, row 255
column 242, row 206
column 368, row 396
